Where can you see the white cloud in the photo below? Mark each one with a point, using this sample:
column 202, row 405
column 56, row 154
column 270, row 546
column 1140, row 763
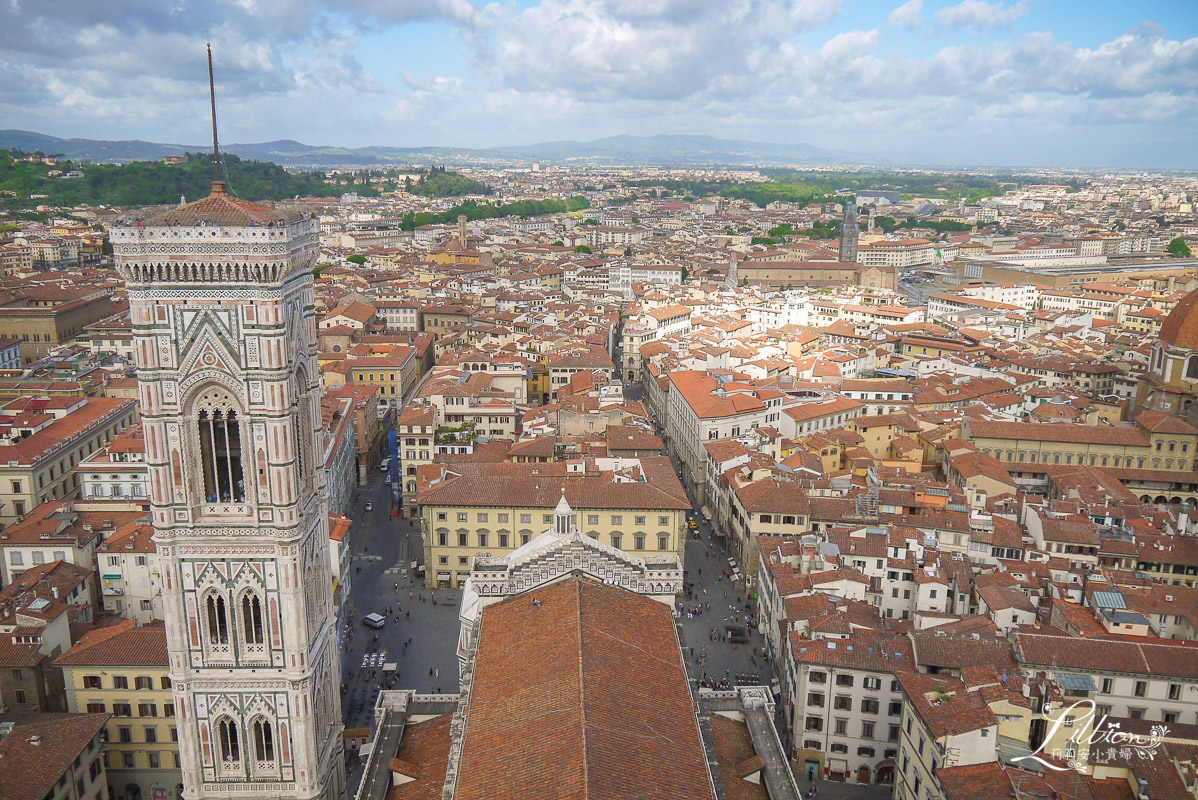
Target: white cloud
column 664, row 50
column 908, row 14
column 979, row 15
column 753, row 69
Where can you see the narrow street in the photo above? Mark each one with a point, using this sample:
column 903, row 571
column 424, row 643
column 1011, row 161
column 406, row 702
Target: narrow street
column 707, row 572
column 381, row 579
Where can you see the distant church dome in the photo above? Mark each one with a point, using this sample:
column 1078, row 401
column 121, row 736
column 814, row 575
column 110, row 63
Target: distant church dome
column 1181, row 326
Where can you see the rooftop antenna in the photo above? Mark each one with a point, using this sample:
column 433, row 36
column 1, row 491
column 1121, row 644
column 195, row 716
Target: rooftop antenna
column 218, row 186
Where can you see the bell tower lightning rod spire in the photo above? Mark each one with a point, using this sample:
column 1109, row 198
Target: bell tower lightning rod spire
column 212, row 95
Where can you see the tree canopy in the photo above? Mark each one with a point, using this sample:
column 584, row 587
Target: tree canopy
column 439, row 182
column 149, row 182
column 474, row 210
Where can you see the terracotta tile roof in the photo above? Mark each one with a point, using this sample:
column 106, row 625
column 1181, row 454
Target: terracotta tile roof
column 423, row 756
column 540, row 486
column 734, row 754
column 16, row 654
column 1124, row 436
column 867, row 649
column 987, row 781
column 1180, row 328
column 1091, row 655
column 220, row 208
column 623, row 437
column 945, row 705
column 773, row 495
column 593, row 359
column 999, row 598
column 338, row 527
column 555, row 712
column 118, row 645
column 58, row 520
column 46, row 442
column 698, row 391
column 983, row 626
column 935, row 649
column 721, row 450
column 418, row 415
column 135, row 537
column 975, row 465
column 808, row 411
column 51, row 742
column 1159, row 422
column 359, row 312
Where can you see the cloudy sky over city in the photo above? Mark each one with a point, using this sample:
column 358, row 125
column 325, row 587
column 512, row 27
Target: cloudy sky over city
column 1073, row 82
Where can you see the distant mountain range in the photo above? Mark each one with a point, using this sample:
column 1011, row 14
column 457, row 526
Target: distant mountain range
column 663, row 150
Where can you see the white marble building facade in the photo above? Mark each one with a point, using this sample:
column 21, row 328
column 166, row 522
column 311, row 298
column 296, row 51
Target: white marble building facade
column 221, row 300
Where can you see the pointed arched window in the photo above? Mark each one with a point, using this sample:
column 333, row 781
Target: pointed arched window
column 230, row 746
column 218, row 621
column 301, row 425
column 251, row 618
column 220, row 455
column 264, row 740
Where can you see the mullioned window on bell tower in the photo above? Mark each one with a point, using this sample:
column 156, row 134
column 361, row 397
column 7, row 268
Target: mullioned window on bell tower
column 220, row 456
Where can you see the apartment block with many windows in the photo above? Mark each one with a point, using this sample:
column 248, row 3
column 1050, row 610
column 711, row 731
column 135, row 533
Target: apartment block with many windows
column 121, row 670
column 467, row 510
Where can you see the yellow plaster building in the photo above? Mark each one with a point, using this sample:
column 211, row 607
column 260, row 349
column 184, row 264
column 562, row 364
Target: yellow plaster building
column 467, row 510
column 122, row 670
column 1156, row 441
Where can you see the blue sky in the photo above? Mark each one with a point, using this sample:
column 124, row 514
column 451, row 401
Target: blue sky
column 1029, row 82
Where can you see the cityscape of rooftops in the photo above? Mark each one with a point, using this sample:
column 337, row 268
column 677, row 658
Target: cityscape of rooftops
column 448, row 400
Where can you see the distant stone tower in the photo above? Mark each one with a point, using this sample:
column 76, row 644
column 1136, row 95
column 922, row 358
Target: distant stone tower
column 223, row 311
column 848, row 231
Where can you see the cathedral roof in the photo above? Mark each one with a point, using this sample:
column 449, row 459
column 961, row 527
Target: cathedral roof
column 1181, row 326
column 579, row 691
column 221, row 208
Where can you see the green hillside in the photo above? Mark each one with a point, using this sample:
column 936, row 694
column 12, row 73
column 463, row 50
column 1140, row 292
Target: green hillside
column 473, row 210
column 146, row 182
column 441, row 183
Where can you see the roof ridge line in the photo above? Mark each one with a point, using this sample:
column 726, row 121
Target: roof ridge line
column 582, row 695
